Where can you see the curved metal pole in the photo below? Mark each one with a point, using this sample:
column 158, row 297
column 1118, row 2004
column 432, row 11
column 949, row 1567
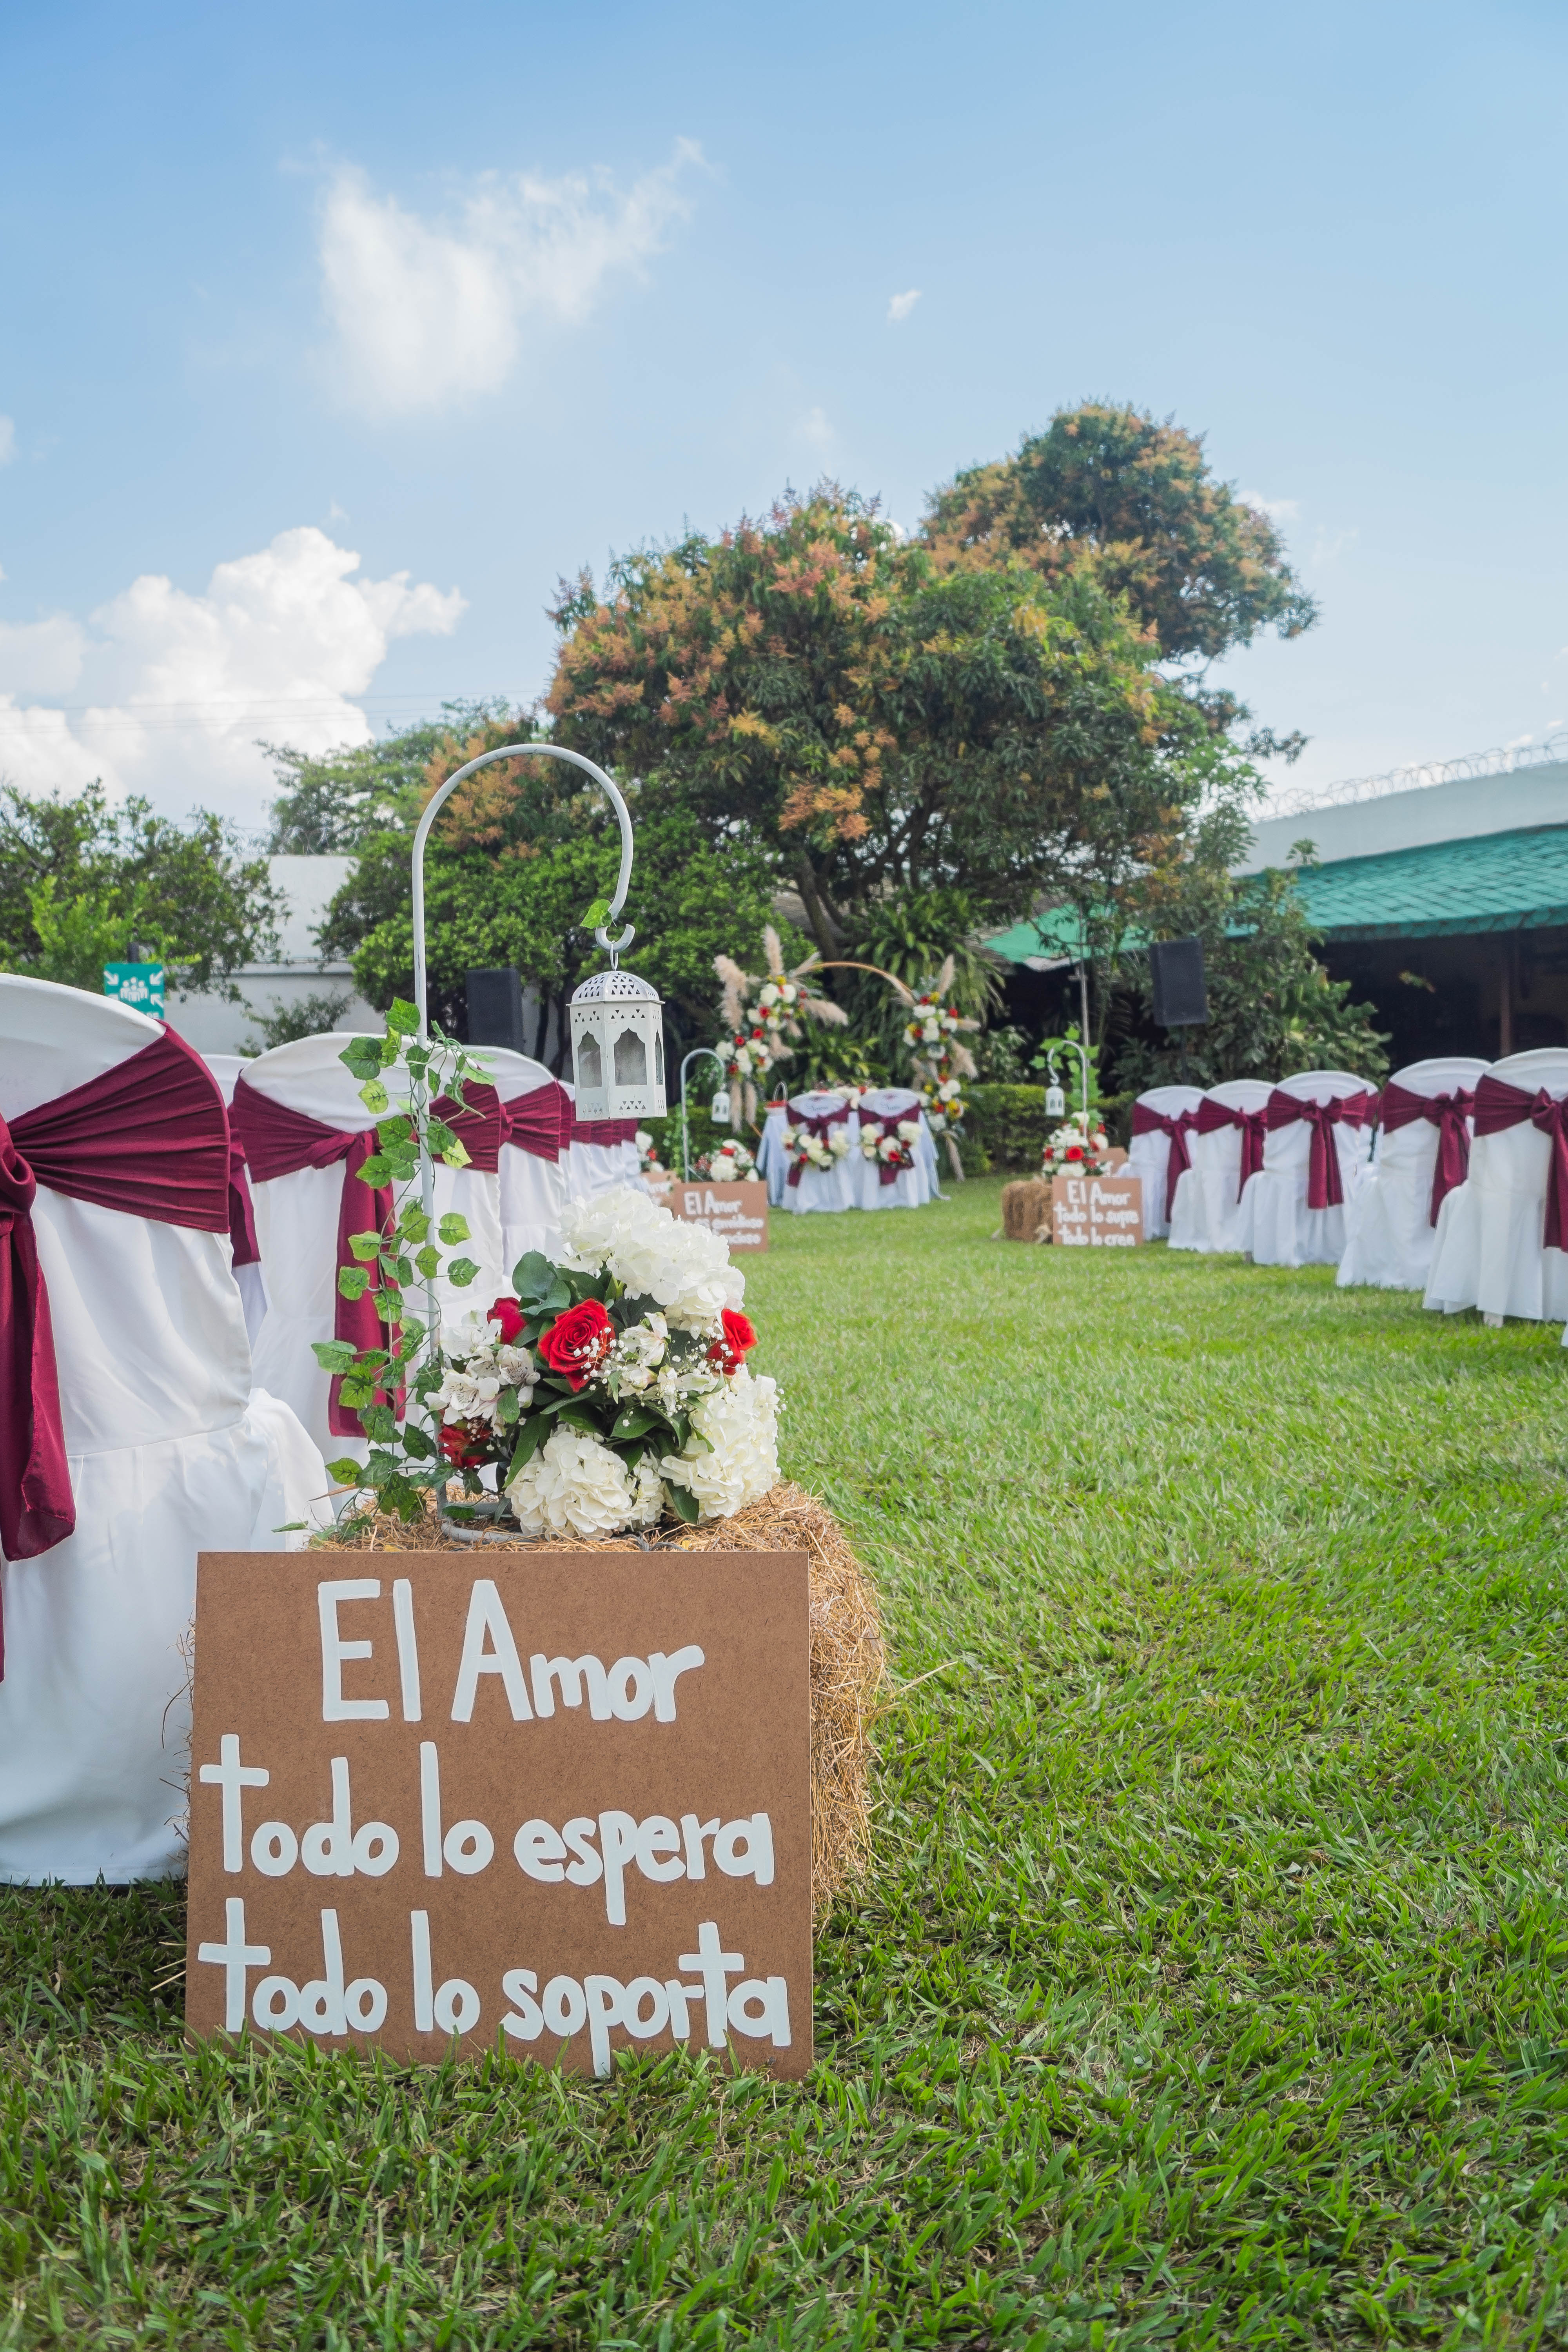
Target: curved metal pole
column 421, row 986
column 696, row 1053
column 517, row 751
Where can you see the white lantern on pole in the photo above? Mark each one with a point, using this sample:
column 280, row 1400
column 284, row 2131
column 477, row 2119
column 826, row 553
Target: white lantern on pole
column 617, row 1048
column 1056, row 1103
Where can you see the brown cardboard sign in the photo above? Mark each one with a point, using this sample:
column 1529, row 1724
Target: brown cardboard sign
column 558, row 1802
column 1098, row 1211
column 738, row 1211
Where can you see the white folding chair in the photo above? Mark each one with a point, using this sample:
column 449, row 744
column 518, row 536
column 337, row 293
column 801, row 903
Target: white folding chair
column 250, row 1279
column 1490, row 1250
column 911, row 1187
column 1392, row 1224
column 1156, row 1115
column 1205, row 1213
column 1279, row 1225
column 170, row 1452
column 822, row 1188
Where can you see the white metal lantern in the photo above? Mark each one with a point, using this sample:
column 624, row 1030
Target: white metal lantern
column 617, row 1048
column 718, row 1108
column 1056, row 1103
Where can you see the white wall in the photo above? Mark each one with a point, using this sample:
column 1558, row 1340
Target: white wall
column 1452, row 811
column 307, row 883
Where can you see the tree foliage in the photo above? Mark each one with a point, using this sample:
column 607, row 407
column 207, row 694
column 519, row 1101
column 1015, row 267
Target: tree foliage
column 331, row 802
column 1109, row 493
column 84, row 882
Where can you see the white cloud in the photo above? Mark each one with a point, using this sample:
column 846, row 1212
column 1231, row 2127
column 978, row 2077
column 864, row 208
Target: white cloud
column 175, row 688
column 815, row 430
column 424, row 314
column 1276, row 509
column 901, row 305
column 7, row 440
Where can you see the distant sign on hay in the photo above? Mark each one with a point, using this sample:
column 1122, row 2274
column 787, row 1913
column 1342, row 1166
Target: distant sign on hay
column 560, row 1801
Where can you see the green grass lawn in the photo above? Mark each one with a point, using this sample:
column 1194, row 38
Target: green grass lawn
column 1210, row 1990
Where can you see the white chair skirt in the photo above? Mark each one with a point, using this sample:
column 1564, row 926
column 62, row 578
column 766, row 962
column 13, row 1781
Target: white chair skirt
column 1149, row 1159
column 1274, row 1225
column 1389, row 1239
column 297, row 1228
column 1206, row 1215
column 533, row 1199
column 1489, row 1249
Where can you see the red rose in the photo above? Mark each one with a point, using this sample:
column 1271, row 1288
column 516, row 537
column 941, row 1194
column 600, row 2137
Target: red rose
column 510, row 1317
column 576, row 1341
column 739, row 1339
column 459, row 1443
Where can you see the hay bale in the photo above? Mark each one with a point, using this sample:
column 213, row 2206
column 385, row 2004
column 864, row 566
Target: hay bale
column 1026, row 1208
column 848, row 1659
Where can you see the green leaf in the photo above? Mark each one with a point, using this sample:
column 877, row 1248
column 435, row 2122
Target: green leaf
column 399, row 1129
column 376, row 1172
column 596, row 914
column 333, row 1355
column 356, row 1396
column 508, row 1407
column 412, row 1222
column 685, row 1503
column 353, row 1281
column 347, row 1470
column 453, row 1228
column 439, row 1136
column 361, row 1058
column 530, row 1437
column 429, row 1261
column 633, row 1421
column 380, row 1423
column 381, row 1467
column 532, row 1277
column 403, row 1018
column 388, row 1305
column 387, row 1051
column 374, row 1096
column 418, row 1442
column 366, row 1247
column 461, row 1272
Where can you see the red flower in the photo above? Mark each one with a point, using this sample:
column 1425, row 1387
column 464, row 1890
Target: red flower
column 1074, row 1152
column 576, row 1341
column 739, row 1339
column 510, row 1317
column 459, row 1443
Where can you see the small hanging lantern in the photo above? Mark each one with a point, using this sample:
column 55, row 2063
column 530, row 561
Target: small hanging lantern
column 1055, row 1102
column 617, row 1048
column 718, row 1108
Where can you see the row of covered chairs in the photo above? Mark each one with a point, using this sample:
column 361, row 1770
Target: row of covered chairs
column 1269, row 1171
column 855, row 1178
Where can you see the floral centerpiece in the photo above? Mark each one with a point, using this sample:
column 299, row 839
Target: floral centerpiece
column 895, row 1149
column 764, row 1017
column 944, row 1105
column 1077, row 1148
column 731, row 1163
column 606, row 1387
column 813, row 1151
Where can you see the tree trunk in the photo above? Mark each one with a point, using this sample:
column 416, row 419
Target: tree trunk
column 824, row 930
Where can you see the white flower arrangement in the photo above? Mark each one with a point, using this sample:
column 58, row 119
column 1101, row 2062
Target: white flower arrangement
column 731, row 1163
column 1079, row 1149
column 944, row 1105
column 895, row 1150
column 815, row 1150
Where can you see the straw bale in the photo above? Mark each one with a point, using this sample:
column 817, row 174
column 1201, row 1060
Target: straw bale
column 1025, row 1209
column 848, row 1658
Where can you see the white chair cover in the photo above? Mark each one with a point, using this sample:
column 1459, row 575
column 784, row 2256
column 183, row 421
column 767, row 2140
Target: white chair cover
column 913, row 1187
column 250, row 1280
column 297, row 1229
column 170, row 1453
column 1276, row 1226
column 594, row 1168
column 824, row 1189
column 1489, row 1251
column 1390, row 1235
column 533, row 1192
column 1149, row 1156
column 773, row 1166
column 1206, row 1215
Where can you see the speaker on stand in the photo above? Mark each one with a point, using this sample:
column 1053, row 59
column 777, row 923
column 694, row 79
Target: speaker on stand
column 495, row 1008
column 1181, row 999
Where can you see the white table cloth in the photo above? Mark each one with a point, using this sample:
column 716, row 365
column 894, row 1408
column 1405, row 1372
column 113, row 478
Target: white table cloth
column 913, row 1186
column 823, row 1190
column 1390, row 1235
column 170, row 1451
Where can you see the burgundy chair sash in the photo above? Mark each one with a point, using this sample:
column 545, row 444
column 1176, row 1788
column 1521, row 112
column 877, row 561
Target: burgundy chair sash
column 1148, row 1121
column 883, row 1123
column 1210, row 1116
column 607, row 1131
column 1498, row 1106
column 1449, row 1114
column 1325, row 1187
column 280, row 1142
column 478, row 1126
column 531, row 1122
column 818, row 1127
column 566, row 1112
column 148, row 1138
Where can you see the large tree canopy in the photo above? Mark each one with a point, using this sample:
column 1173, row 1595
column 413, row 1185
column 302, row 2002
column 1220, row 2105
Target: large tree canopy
column 84, row 882
column 1131, row 503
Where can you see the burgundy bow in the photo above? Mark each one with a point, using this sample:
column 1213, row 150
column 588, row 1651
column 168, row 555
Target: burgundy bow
column 477, row 1125
column 1147, row 1121
column 606, row 1131
column 1210, row 1116
column 1450, row 1115
column 818, row 1127
column 531, row 1122
column 148, row 1138
column 1325, row 1189
column 1498, row 1105
column 241, row 1211
column 280, row 1142
column 887, row 1123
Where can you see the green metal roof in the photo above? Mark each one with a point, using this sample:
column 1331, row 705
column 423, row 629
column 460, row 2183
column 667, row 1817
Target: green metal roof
column 1493, row 882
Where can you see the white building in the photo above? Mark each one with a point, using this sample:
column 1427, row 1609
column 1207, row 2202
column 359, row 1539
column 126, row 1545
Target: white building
column 214, row 1026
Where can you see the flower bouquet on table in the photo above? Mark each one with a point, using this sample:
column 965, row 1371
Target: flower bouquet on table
column 731, row 1163
column 809, row 1150
column 1077, row 1148
column 895, row 1149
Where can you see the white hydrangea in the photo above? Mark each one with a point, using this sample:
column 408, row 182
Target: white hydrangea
column 576, row 1486
column 657, row 1255
column 739, row 1461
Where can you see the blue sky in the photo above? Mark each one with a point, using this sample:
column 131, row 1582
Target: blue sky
column 476, row 294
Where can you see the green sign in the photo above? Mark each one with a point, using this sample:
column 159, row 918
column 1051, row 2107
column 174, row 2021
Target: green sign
column 139, row 984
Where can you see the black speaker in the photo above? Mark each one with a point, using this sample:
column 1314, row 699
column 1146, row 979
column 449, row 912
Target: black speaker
column 1177, row 968
column 495, row 1009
